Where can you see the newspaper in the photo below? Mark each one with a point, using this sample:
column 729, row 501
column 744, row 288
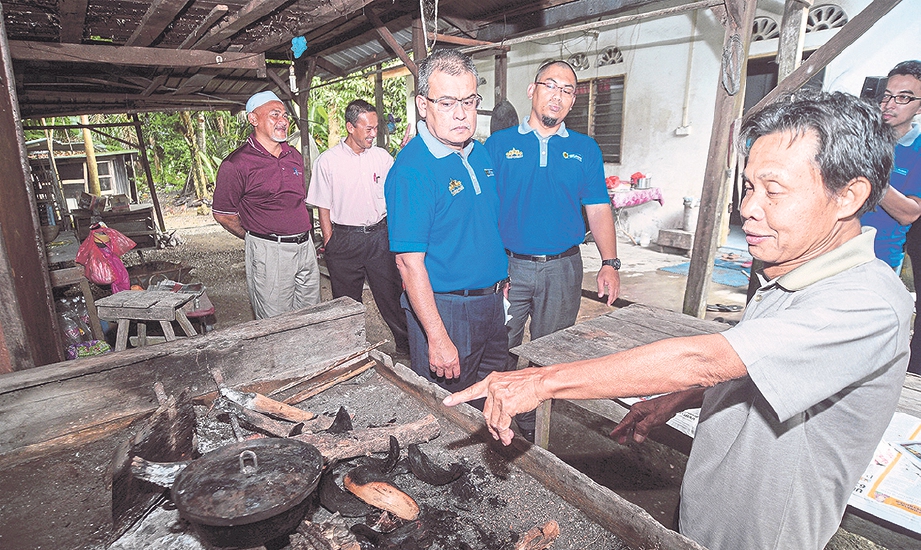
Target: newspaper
column 890, row 488
column 685, row 421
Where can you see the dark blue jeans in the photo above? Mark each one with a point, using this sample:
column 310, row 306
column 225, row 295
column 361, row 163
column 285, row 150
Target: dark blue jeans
column 476, row 326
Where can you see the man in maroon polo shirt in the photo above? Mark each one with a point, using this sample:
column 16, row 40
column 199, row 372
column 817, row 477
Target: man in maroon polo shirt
column 259, row 196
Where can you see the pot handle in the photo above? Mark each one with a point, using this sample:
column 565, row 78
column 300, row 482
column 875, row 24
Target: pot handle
column 248, row 469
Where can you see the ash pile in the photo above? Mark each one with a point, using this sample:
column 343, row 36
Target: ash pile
column 370, row 468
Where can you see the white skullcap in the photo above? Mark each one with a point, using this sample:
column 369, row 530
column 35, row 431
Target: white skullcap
column 260, row 99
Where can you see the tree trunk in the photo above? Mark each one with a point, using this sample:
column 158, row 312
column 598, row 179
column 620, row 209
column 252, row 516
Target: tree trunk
column 92, row 171
column 191, row 138
column 201, row 183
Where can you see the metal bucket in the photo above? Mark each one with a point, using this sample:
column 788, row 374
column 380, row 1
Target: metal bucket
column 644, row 183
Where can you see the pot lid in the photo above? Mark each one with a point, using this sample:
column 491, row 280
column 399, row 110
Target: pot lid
column 248, row 481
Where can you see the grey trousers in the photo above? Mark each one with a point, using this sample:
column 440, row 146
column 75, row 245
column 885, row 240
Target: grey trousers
column 281, row 277
column 550, row 293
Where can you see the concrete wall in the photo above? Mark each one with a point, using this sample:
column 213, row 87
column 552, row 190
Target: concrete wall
column 674, row 61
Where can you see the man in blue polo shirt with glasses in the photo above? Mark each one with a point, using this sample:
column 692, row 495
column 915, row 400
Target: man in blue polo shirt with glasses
column 443, row 212
column 546, row 173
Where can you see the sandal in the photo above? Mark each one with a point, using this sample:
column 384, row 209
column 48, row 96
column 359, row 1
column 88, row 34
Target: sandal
column 723, row 307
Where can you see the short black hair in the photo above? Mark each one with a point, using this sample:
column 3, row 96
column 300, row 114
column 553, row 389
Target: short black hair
column 853, row 139
column 547, row 64
column 446, row 60
column 907, row 68
column 356, row 108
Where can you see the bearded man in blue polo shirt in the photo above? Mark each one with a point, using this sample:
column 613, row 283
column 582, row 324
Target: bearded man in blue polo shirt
column 546, row 173
column 443, row 212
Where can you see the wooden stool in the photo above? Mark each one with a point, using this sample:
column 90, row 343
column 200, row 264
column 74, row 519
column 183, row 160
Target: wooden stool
column 143, row 306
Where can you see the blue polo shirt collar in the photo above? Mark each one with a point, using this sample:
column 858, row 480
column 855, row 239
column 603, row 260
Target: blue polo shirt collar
column 526, row 128
column 908, row 139
column 438, row 149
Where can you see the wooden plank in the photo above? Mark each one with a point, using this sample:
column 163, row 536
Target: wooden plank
column 56, row 400
column 159, row 15
column 72, row 15
column 248, row 14
column 133, row 56
column 391, row 43
column 630, row 522
column 851, row 31
column 216, row 13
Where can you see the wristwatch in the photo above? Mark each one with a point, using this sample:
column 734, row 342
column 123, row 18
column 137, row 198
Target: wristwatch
column 615, row 263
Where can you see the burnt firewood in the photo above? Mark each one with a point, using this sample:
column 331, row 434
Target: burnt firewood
column 386, row 465
column 335, row 499
column 539, row 537
column 425, row 469
column 257, row 421
column 374, row 488
column 342, row 423
column 371, row 440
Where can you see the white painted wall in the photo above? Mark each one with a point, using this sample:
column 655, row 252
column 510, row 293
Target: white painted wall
column 658, row 79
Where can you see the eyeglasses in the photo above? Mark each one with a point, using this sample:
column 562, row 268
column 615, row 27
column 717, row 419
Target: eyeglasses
column 447, row 104
column 567, row 90
column 900, row 99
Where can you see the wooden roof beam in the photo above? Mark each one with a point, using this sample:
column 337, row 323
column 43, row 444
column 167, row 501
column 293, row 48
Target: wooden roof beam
column 159, row 14
column 72, row 14
column 458, row 40
column 217, row 12
column 248, row 14
column 22, row 50
column 321, row 16
column 390, row 42
column 329, row 67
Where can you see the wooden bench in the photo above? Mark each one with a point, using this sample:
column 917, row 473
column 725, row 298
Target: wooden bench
column 142, row 306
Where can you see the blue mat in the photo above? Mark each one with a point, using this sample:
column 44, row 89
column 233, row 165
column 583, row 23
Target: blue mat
column 725, row 272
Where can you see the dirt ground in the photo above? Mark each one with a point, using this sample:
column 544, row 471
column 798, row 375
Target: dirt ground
column 648, row 475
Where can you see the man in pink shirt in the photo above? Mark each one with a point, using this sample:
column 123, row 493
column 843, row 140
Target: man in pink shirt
column 347, row 187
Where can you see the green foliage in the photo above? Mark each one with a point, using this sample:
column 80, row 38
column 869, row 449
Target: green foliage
column 334, row 97
column 169, row 152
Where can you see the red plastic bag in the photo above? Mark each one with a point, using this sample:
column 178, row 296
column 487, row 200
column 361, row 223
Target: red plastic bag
column 96, row 265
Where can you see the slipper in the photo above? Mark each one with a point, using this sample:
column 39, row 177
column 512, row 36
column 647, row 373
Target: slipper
column 723, row 307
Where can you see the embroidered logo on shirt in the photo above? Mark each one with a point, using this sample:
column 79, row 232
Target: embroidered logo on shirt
column 513, row 154
column 489, row 172
column 572, row 156
column 455, row 187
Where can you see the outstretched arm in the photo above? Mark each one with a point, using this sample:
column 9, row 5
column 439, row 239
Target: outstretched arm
column 667, row 366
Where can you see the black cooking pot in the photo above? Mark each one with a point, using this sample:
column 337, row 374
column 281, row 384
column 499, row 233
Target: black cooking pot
column 245, row 494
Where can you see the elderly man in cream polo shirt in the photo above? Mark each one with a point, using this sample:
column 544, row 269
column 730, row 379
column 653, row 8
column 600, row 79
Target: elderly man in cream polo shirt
column 347, row 187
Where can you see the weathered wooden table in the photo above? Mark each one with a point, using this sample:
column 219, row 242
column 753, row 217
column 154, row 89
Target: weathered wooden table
column 637, row 325
column 619, row 330
column 142, row 306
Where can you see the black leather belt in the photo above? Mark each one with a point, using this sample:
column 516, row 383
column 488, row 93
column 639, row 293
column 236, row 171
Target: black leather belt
column 544, row 258
column 494, row 289
column 361, row 228
column 292, row 239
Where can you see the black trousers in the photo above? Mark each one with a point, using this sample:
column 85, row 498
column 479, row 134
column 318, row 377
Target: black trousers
column 913, row 249
column 352, row 257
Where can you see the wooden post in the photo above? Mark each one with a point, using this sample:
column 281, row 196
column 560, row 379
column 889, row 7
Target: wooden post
column 737, row 16
column 419, row 53
column 304, row 69
column 501, row 77
column 792, row 34
column 379, row 105
column 92, row 170
column 142, row 148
